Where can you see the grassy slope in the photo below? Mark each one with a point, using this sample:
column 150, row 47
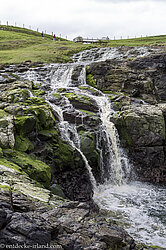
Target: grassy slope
column 18, row 45
column 143, row 41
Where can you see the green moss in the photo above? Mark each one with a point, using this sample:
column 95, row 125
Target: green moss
column 23, row 144
column 61, row 90
column 10, row 165
column 37, row 100
column 2, row 113
column 87, row 112
column 58, row 96
column 78, row 98
column 36, row 169
column 90, row 80
column 38, row 92
column 111, row 92
column 43, row 116
column 118, row 105
column 18, row 95
column 4, row 187
column 48, row 134
column 25, row 124
column 148, row 86
column 1, row 152
column 70, row 96
column 87, row 88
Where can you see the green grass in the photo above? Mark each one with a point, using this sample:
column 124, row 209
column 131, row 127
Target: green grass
column 143, row 41
column 18, row 45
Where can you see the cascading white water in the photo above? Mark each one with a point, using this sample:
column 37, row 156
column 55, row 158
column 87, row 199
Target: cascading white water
column 117, row 162
column 140, row 208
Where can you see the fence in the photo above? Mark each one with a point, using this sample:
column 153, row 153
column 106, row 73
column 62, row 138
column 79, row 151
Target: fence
column 31, row 28
column 60, row 35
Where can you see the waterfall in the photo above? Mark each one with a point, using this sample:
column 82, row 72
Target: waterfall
column 137, row 206
column 115, row 161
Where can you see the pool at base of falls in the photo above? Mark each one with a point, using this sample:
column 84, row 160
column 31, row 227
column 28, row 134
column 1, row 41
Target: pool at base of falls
column 138, row 207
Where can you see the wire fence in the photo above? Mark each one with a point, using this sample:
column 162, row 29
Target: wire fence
column 30, row 27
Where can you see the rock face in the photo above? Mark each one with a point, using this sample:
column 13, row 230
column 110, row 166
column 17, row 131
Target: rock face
column 33, row 217
column 136, row 88
column 28, row 134
column 40, row 170
column 66, row 225
column 142, row 78
column 142, row 131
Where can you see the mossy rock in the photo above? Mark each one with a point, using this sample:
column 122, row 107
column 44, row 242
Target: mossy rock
column 141, row 126
column 43, row 115
column 88, row 147
column 1, row 153
column 2, row 113
column 10, row 166
column 37, row 100
column 17, row 95
column 37, row 170
column 25, row 124
column 14, row 109
column 45, row 135
column 56, row 95
column 90, row 79
column 82, row 102
column 23, row 144
column 38, row 92
column 57, row 190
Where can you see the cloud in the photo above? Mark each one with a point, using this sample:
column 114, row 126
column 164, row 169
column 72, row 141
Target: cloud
column 92, row 18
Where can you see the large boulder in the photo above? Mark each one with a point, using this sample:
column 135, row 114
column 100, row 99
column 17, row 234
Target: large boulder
column 142, row 125
column 142, row 130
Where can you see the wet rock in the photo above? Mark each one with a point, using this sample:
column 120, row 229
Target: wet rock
column 141, row 125
column 141, row 78
column 3, row 218
column 67, row 226
column 82, row 102
column 7, row 139
column 142, row 130
column 88, row 147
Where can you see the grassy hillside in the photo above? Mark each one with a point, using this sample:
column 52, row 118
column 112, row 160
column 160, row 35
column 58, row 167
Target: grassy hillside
column 18, row 45
column 143, row 41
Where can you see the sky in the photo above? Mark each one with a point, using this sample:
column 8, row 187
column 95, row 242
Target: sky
column 87, row 18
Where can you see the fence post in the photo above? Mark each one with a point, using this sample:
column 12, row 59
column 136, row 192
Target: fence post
column 7, row 23
column 23, row 25
column 37, row 30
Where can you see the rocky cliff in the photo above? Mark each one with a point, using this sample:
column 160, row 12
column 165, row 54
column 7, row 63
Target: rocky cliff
column 46, row 192
column 137, row 90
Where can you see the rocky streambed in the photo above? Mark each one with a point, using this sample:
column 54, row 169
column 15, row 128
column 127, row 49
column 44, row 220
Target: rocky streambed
column 48, row 129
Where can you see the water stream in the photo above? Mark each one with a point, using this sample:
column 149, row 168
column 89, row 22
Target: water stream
column 139, row 207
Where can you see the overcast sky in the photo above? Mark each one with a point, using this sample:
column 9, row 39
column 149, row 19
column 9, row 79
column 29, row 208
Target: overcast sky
column 88, row 18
